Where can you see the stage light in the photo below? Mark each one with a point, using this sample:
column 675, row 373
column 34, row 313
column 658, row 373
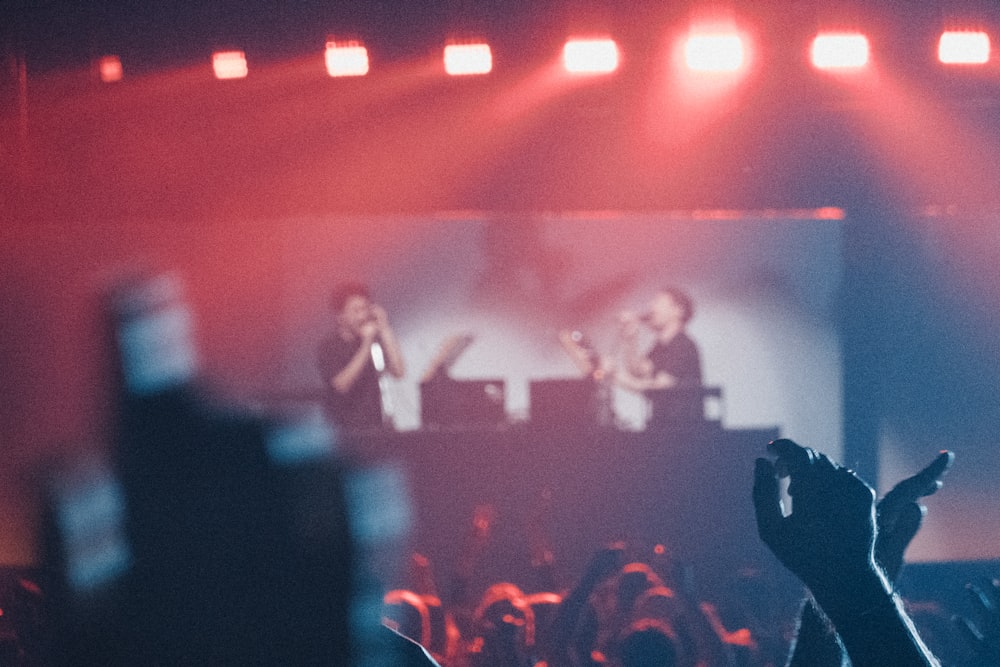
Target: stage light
column 110, row 69
column 346, row 58
column 229, row 64
column 464, row 59
column 964, row 48
column 846, row 50
column 590, row 56
column 714, row 52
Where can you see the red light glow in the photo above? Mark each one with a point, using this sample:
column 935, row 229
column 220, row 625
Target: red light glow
column 464, row 59
column 718, row 52
column 110, row 69
column 839, row 51
column 964, row 48
column 346, row 59
column 590, row 56
column 229, row 64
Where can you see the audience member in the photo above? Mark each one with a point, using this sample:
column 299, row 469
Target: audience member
column 504, row 628
column 647, row 643
column 898, row 517
column 828, row 542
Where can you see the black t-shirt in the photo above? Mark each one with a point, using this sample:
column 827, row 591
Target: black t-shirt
column 678, row 357
column 361, row 407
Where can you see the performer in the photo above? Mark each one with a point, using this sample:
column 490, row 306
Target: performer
column 673, row 363
column 354, row 356
column 674, row 360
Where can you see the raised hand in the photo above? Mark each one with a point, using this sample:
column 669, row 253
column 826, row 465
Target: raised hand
column 369, row 332
column 830, row 532
column 900, row 514
column 379, row 317
column 604, row 564
column 628, row 323
column 829, row 540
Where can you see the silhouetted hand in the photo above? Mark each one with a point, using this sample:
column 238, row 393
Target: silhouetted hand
column 628, row 323
column 830, row 533
column 828, row 541
column 983, row 635
column 899, row 516
column 899, row 513
column 379, row 317
column 603, row 564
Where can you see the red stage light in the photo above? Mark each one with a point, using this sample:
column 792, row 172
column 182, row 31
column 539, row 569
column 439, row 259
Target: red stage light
column 229, row 64
column 846, row 50
column 590, row 56
column 110, row 69
column 964, row 48
column 346, row 59
column 714, row 52
column 463, row 59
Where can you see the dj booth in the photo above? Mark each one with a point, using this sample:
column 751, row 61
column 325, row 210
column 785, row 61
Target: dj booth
column 450, row 403
column 565, row 482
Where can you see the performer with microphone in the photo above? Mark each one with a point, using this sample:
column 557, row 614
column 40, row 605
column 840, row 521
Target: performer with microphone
column 669, row 373
column 354, row 357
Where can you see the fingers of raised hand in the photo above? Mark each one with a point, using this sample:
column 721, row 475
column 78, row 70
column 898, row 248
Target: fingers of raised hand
column 892, row 540
column 791, row 457
column 924, row 483
column 607, row 561
column 812, row 474
column 766, row 500
column 797, row 461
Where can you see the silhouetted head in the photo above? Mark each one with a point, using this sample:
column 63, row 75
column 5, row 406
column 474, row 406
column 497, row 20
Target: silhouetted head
column 634, row 580
column 504, row 613
column 406, row 612
column 657, row 602
column 647, row 643
column 544, row 607
column 445, row 635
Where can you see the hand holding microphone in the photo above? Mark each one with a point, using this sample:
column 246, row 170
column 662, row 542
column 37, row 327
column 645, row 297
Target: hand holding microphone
column 376, row 325
column 629, row 322
column 379, row 317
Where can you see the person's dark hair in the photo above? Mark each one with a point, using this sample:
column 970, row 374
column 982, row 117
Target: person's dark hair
column 406, row 612
column 647, row 643
column 683, row 300
column 345, row 291
column 634, row 579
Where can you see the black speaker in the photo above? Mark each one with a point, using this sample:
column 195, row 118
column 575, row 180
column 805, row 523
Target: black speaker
column 564, row 402
column 448, row 403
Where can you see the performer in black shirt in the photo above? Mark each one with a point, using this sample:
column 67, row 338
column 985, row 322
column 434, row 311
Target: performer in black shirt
column 353, row 357
column 669, row 373
column 674, row 360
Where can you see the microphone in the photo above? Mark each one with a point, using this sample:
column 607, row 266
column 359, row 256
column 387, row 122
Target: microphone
column 378, row 356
